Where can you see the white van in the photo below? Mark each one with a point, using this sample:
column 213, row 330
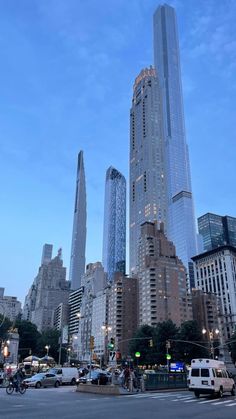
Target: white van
column 209, row 376
column 66, row 375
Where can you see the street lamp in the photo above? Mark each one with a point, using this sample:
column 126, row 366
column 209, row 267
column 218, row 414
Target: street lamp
column 47, row 347
column 211, row 336
column 68, row 354
column 106, row 329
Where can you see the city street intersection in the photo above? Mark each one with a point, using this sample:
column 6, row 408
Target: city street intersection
column 66, row 403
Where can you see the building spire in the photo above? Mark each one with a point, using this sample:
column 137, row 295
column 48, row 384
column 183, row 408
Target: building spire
column 77, row 262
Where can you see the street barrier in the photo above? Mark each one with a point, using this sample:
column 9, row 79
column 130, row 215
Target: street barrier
column 157, row 381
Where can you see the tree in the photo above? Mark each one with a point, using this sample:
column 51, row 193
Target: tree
column 28, row 338
column 50, row 338
column 144, row 342
column 190, row 331
column 232, row 347
column 165, row 331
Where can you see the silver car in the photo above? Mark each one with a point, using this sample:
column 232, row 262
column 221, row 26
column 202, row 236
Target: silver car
column 42, row 380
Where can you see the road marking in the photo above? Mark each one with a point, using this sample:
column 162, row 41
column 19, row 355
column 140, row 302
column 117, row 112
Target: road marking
column 18, row 405
column 231, row 404
column 206, row 401
column 190, row 401
column 216, row 403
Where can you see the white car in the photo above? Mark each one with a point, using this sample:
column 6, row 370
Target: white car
column 208, row 376
column 42, row 380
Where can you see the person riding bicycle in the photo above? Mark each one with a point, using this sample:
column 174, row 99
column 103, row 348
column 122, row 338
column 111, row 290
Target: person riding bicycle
column 18, row 377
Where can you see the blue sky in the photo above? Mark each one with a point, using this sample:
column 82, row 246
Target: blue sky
column 66, row 76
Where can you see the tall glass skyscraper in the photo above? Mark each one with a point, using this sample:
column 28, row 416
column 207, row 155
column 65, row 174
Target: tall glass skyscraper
column 181, row 228
column 77, row 262
column 217, row 230
column 114, row 227
column 147, row 170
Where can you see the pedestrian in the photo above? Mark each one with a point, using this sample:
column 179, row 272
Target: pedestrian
column 127, row 377
column 122, row 378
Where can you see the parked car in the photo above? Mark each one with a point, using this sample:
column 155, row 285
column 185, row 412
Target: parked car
column 209, row 376
column 42, row 380
column 66, row 375
column 95, row 377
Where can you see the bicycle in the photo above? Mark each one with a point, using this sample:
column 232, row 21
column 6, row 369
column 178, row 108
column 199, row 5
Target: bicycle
column 21, row 388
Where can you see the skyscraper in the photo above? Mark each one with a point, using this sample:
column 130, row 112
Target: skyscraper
column 147, row 171
column 217, row 230
column 46, row 254
column 77, row 262
column 181, row 227
column 161, row 275
column 114, row 226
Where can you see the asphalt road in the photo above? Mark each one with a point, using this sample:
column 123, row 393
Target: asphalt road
column 65, row 403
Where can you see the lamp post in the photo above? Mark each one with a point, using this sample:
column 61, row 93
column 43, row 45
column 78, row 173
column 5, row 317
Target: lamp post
column 106, row 329
column 47, row 347
column 211, row 336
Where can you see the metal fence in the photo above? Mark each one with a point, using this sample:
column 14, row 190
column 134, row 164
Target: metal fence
column 157, row 381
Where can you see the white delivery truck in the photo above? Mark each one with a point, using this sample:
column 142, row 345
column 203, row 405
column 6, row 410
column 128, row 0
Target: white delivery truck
column 66, row 375
column 209, row 376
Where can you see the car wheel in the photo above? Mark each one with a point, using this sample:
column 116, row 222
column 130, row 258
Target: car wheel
column 73, row 381
column 38, row 384
column 197, row 394
column 233, row 391
column 220, row 393
column 56, row 384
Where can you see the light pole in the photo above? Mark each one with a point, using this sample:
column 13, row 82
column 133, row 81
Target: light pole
column 106, row 329
column 47, row 347
column 211, row 336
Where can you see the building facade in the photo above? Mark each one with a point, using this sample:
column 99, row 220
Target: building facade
column 123, row 311
column 162, row 279
column 114, row 226
column 147, row 170
column 9, row 306
column 77, row 261
column 215, row 272
column 61, row 316
column 75, row 299
column 181, row 229
column 206, row 309
column 94, row 282
column 217, row 230
column 49, row 289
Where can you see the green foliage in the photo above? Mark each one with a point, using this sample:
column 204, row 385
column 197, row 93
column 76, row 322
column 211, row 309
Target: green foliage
column 28, row 338
column 190, row 331
column 141, row 344
column 232, row 347
column 165, row 330
column 49, row 338
column 179, row 349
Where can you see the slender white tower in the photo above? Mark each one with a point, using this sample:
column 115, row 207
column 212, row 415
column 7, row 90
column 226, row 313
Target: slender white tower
column 181, row 228
column 77, row 261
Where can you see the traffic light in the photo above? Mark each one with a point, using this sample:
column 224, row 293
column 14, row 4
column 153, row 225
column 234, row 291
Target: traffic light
column 112, row 343
column 150, row 343
column 91, row 343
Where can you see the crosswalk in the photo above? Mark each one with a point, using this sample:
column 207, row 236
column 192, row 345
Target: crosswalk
column 186, row 398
